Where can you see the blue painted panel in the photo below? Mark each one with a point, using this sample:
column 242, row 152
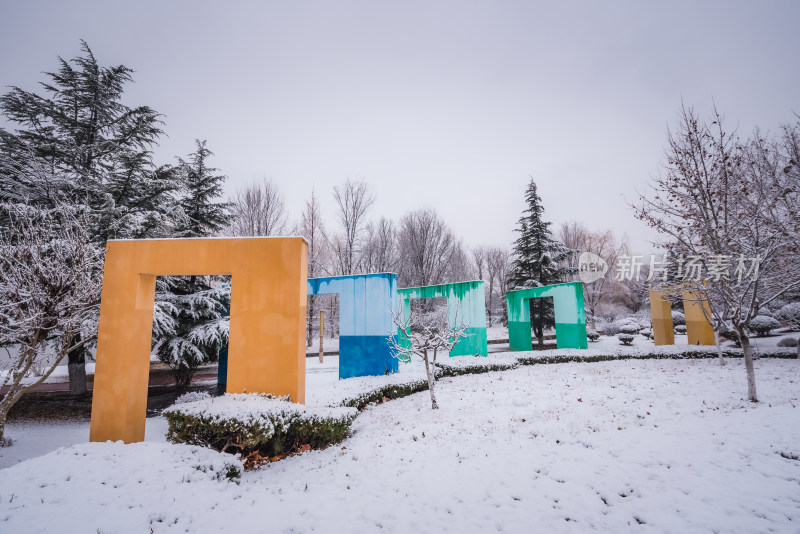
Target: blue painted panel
column 365, row 356
column 366, row 301
column 382, row 299
column 347, row 306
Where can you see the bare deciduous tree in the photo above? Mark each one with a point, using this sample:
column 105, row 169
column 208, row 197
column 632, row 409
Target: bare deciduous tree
column 479, row 262
column 353, row 200
column 259, row 210
column 577, row 237
column 426, row 334
column 720, row 199
column 380, row 251
column 50, row 276
column 498, row 265
column 429, row 250
column 312, row 228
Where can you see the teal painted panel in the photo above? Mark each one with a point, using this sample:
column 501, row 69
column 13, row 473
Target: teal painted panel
column 465, row 299
column 472, row 345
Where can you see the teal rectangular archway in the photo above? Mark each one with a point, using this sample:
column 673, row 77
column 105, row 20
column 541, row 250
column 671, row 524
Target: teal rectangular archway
column 570, row 315
column 467, row 300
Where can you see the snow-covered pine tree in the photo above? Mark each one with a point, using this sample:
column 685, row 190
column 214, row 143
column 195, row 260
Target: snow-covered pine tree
column 190, row 324
column 77, row 143
column 191, row 317
column 539, row 260
column 203, row 214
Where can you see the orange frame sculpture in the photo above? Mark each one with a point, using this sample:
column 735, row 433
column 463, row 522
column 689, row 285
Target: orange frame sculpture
column 698, row 330
column 267, row 320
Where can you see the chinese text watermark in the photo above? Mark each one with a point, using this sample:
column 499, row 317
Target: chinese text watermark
column 688, row 268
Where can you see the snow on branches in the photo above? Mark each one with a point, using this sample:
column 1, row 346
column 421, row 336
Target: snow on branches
column 426, row 334
column 50, row 278
column 720, row 196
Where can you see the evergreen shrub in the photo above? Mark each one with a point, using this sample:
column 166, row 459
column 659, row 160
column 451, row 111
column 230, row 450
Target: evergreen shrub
column 626, row 339
column 762, row 325
column 261, row 424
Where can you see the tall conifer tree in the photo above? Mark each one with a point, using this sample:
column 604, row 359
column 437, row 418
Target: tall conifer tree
column 538, row 260
column 191, row 315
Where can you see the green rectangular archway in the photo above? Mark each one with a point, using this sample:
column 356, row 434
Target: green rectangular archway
column 466, row 298
column 569, row 313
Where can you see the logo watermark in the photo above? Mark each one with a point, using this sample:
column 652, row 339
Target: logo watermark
column 591, row 267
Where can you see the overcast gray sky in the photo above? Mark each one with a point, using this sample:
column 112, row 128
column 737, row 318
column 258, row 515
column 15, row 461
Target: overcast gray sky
column 445, row 104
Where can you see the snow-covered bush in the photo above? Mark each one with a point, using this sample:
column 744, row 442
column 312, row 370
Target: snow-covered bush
column 787, row 342
column 192, row 396
column 646, row 333
column 763, row 325
column 592, row 335
column 626, row 339
column 396, row 390
column 678, row 318
column 257, row 426
column 470, row 365
column 680, row 329
column 610, row 329
column 790, row 314
column 630, row 328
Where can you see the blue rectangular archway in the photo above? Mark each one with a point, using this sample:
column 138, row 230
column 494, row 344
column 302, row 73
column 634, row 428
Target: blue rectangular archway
column 366, row 302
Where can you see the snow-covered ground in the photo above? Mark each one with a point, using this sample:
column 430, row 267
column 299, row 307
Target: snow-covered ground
column 666, row 445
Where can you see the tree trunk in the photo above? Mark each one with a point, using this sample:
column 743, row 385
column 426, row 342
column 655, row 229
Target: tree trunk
column 3, row 414
column 748, row 364
column 310, row 321
column 76, row 367
column 540, row 322
column 77, row 378
column 321, row 337
column 719, row 348
column 434, row 406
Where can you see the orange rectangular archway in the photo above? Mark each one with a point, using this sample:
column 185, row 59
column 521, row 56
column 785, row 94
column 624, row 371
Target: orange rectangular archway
column 267, row 320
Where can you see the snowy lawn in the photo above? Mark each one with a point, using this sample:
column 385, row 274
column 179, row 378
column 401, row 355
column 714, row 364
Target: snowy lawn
column 661, row 445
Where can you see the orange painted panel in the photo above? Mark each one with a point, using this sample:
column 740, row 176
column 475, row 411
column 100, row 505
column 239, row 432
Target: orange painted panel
column 661, row 314
column 698, row 328
column 267, row 321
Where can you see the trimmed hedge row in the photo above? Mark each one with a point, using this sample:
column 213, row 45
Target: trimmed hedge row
column 447, row 369
column 393, row 391
column 686, row 355
column 259, row 425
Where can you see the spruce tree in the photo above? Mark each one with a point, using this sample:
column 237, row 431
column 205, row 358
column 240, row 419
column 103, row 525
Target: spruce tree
column 78, row 143
column 191, row 315
column 538, row 260
column 202, row 215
